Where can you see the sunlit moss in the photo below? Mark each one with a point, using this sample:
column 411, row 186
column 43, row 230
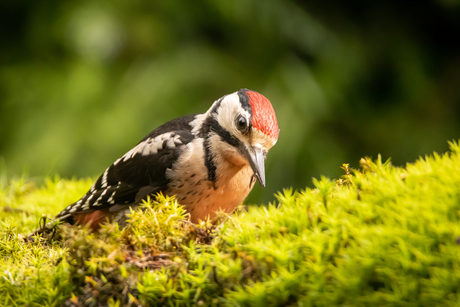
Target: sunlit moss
column 381, row 235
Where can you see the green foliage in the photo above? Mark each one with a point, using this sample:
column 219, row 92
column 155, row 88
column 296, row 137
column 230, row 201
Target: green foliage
column 381, row 235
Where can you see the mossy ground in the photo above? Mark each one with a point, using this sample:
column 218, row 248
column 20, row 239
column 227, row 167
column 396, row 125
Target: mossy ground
column 379, row 236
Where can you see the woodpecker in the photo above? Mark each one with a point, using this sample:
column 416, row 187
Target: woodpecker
column 210, row 161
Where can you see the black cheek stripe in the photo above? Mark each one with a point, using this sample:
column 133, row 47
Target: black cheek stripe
column 209, row 126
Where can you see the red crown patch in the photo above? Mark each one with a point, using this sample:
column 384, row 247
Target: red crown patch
column 263, row 114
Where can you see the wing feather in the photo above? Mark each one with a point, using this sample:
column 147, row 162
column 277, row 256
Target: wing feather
column 138, row 173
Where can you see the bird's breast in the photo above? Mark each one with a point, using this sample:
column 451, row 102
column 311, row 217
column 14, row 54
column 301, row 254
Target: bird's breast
column 201, row 197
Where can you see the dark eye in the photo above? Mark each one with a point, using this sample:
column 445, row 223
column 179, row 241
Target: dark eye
column 242, row 124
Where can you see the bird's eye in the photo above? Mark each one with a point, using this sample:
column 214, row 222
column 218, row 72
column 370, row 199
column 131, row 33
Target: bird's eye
column 242, row 124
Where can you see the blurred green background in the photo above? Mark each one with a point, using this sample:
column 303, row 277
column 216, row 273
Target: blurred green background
column 81, row 82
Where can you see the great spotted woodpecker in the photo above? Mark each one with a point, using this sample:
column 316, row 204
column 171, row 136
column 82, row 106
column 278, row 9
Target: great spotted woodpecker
column 209, row 161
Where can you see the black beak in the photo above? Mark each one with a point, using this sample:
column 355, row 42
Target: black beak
column 256, row 160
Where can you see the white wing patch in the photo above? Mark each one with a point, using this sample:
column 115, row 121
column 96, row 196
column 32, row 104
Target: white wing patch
column 104, row 179
column 152, row 146
column 197, row 123
column 110, row 200
column 97, row 202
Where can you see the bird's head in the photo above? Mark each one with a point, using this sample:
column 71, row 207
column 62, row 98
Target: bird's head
column 242, row 127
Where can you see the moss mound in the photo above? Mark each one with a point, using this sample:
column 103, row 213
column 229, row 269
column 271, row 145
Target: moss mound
column 381, row 235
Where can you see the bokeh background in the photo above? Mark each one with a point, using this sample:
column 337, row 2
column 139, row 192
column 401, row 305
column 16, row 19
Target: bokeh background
column 81, row 82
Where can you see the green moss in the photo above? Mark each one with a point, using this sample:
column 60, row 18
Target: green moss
column 382, row 235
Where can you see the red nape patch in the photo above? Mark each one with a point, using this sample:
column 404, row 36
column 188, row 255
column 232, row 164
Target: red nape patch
column 263, row 114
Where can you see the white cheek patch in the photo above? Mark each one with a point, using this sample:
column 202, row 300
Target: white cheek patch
column 230, row 108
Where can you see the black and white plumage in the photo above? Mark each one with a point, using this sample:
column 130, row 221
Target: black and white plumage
column 210, row 161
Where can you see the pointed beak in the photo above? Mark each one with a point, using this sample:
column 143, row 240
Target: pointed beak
column 256, row 160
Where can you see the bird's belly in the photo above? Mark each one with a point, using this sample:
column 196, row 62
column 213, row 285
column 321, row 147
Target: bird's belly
column 204, row 200
column 214, row 202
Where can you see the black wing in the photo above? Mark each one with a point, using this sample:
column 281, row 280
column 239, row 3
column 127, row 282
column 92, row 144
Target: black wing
column 140, row 172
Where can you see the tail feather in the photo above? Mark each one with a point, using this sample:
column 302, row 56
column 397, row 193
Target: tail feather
column 48, row 226
column 94, row 219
